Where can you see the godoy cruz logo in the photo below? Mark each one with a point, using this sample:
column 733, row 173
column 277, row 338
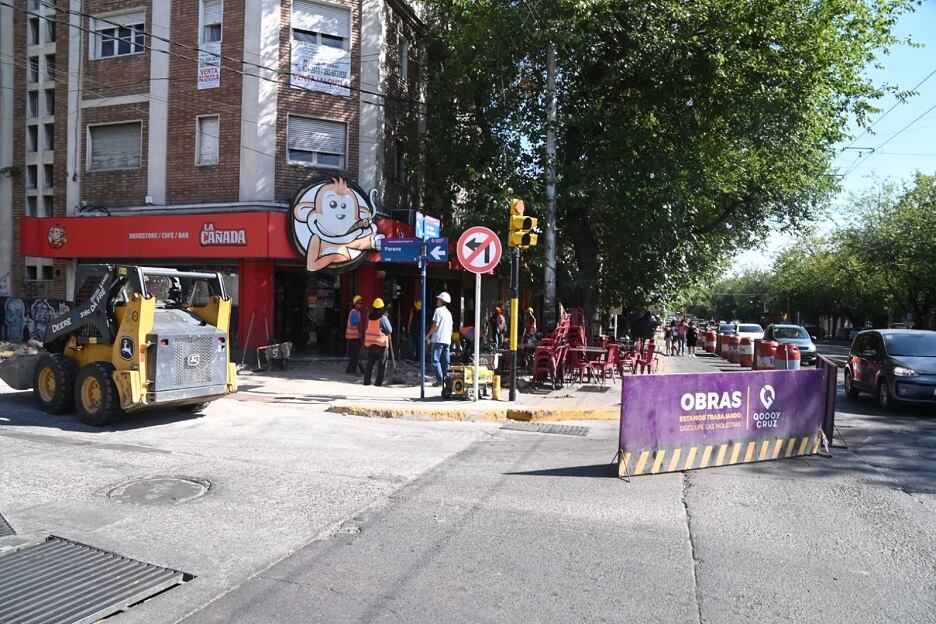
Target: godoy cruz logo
column 767, row 419
column 767, row 396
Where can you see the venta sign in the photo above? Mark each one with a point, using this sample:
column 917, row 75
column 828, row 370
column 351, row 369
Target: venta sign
column 212, row 237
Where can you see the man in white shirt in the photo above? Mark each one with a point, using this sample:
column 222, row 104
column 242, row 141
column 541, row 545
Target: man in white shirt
column 440, row 337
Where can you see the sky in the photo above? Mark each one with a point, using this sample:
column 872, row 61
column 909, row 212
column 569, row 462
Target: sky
column 912, row 150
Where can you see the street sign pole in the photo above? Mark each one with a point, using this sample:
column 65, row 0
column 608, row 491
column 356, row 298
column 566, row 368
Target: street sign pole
column 514, row 317
column 477, row 332
column 423, row 261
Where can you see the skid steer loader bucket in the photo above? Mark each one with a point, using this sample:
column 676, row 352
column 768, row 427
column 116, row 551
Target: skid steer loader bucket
column 17, row 371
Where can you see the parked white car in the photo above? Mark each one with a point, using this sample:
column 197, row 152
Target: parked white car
column 749, row 330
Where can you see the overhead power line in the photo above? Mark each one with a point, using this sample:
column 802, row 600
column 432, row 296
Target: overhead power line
column 894, row 136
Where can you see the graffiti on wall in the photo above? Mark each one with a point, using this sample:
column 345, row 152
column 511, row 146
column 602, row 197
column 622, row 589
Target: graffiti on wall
column 4, row 285
column 26, row 319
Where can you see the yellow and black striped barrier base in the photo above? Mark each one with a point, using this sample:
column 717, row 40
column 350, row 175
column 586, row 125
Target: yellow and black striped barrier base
column 635, row 462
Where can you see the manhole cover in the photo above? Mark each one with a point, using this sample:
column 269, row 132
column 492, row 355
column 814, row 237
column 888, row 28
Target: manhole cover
column 159, row 490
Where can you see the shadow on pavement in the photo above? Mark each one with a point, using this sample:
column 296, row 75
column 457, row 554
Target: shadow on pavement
column 592, row 470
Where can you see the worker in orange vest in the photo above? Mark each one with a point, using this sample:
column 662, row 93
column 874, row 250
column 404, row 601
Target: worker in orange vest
column 354, row 331
column 377, row 340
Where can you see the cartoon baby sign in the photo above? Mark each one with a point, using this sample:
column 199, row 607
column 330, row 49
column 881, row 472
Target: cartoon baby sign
column 334, row 225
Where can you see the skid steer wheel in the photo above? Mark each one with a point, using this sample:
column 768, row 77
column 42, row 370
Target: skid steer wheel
column 96, row 396
column 54, row 383
column 194, row 408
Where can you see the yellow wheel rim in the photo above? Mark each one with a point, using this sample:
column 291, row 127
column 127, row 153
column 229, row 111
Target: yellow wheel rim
column 91, row 394
column 46, row 385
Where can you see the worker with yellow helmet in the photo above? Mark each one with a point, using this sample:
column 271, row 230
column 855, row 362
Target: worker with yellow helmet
column 377, row 341
column 354, row 332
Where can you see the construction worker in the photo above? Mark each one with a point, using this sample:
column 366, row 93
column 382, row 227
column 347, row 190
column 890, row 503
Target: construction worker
column 377, row 341
column 354, row 332
column 529, row 326
column 412, row 330
column 440, row 337
column 497, row 327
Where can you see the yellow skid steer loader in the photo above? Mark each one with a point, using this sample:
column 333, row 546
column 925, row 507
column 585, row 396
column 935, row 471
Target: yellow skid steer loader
column 137, row 337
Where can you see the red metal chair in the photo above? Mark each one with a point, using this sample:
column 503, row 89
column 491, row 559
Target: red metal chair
column 609, row 362
column 647, row 361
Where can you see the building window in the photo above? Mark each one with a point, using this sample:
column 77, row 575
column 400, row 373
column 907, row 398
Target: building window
column 118, row 35
column 399, row 161
column 49, row 132
column 31, row 210
column 114, row 147
column 321, row 24
column 32, row 104
column 48, row 176
column 32, row 177
column 32, row 138
column 33, row 70
column 212, row 12
column 39, row 269
column 206, row 142
column 403, row 60
column 32, row 272
column 50, row 66
column 50, row 30
column 50, row 101
column 46, row 206
column 316, row 142
column 33, row 38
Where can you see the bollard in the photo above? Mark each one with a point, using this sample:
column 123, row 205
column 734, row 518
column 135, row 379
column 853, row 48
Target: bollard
column 733, row 343
column 746, row 352
column 787, row 357
column 495, row 388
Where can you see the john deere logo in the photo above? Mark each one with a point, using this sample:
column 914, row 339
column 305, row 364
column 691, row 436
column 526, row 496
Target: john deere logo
column 193, row 360
column 126, row 348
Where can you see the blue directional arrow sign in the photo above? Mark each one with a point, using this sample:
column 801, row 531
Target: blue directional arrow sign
column 407, row 249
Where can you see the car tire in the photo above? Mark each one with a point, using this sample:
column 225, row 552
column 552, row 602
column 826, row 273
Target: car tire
column 885, row 400
column 194, row 408
column 850, row 390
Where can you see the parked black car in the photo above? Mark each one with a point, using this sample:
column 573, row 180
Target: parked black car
column 897, row 365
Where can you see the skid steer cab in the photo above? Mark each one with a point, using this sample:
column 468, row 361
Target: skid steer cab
column 137, row 337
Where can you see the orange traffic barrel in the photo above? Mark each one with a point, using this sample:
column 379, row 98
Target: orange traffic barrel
column 723, row 342
column 733, row 342
column 787, row 357
column 711, row 341
column 764, row 360
column 746, row 352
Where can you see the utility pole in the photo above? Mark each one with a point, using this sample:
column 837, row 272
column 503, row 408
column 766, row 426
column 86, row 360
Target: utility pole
column 549, row 276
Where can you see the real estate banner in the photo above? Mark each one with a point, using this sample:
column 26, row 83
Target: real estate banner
column 320, row 68
column 209, row 65
column 682, row 422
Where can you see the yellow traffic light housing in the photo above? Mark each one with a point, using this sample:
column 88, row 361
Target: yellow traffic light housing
column 520, row 234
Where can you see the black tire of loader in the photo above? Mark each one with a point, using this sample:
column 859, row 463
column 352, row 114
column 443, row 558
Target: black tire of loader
column 64, row 370
column 110, row 398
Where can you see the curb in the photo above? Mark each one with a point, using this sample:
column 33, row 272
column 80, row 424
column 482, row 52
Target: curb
column 526, row 414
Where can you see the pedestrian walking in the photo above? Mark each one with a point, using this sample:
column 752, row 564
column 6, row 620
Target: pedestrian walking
column 354, row 333
column 498, row 327
column 529, row 326
column 681, row 335
column 377, row 342
column 440, row 337
column 412, row 330
column 669, row 335
column 692, row 337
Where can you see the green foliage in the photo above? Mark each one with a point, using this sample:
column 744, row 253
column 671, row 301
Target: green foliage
column 685, row 126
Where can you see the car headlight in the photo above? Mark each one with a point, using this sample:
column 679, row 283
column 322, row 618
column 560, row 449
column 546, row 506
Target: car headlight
column 902, row 371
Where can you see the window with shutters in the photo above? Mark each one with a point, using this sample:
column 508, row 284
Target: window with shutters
column 316, row 142
column 114, row 147
column 206, row 143
column 322, row 24
column 117, row 35
column 211, row 14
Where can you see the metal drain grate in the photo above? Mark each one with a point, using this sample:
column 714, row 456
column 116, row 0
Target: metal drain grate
column 64, row 582
column 546, row 428
column 5, row 528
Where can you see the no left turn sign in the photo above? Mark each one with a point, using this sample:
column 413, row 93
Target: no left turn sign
column 479, row 249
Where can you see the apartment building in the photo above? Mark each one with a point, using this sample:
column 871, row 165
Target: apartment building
column 207, row 134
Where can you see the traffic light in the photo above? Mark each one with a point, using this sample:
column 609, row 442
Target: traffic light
column 520, row 226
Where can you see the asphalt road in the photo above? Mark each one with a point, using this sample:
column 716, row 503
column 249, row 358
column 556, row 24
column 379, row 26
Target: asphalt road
column 525, row 527
column 315, row 517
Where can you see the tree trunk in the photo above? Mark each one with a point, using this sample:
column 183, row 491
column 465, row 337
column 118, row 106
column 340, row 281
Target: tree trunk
column 586, row 255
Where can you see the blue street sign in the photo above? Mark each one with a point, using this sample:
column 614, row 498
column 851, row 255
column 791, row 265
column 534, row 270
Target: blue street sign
column 427, row 227
column 407, row 249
